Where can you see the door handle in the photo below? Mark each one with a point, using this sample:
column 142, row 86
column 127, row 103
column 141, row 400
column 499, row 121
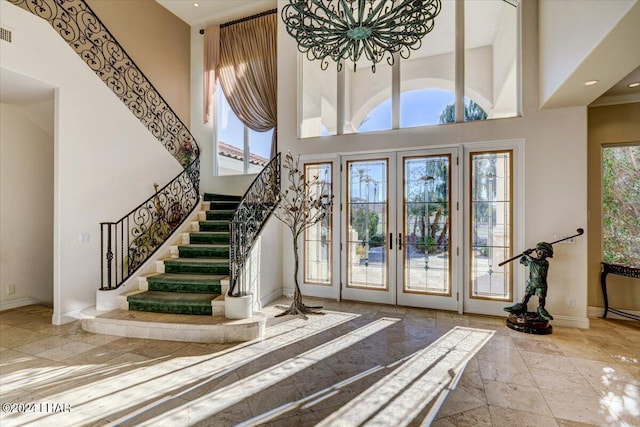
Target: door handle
column 390, row 241
column 399, row 240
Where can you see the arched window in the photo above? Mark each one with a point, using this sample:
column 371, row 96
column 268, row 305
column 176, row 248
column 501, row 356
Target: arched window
column 426, row 81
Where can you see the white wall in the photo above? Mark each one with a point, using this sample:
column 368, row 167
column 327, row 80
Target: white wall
column 26, row 209
column 555, row 143
column 106, row 161
column 577, row 43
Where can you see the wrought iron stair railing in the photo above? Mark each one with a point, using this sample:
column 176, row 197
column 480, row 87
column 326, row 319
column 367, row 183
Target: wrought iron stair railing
column 129, row 242
column 249, row 219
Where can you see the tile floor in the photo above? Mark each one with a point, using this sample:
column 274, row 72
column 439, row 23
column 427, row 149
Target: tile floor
column 329, row 370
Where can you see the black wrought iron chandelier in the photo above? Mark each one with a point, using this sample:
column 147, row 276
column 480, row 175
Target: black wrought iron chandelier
column 347, row 29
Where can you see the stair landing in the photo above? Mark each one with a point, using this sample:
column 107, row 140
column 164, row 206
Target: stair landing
column 176, row 327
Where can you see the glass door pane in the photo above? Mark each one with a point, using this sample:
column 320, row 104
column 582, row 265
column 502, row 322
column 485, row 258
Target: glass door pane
column 491, row 225
column 367, row 213
column 426, row 264
column 366, row 256
column 426, row 225
column 317, row 238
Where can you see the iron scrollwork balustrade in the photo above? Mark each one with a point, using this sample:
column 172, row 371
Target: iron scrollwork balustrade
column 128, row 243
column 251, row 215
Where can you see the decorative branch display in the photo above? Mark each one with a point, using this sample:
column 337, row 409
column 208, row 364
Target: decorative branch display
column 305, row 201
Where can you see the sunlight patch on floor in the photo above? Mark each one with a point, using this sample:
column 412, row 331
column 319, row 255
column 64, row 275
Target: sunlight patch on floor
column 222, row 398
column 121, row 387
column 399, row 397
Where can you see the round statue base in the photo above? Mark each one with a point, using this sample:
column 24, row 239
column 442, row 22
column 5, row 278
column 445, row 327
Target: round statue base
column 529, row 323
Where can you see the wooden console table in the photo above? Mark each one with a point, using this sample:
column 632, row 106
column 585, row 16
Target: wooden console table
column 621, row 270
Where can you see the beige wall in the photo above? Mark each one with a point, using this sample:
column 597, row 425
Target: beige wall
column 158, row 42
column 613, row 124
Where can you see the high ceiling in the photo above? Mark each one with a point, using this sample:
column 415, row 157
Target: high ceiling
column 220, row 11
column 215, row 11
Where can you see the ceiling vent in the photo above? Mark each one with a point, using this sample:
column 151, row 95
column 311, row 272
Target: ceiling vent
column 5, row 34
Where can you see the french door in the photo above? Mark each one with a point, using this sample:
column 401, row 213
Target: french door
column 400, row 228
column 424, row 228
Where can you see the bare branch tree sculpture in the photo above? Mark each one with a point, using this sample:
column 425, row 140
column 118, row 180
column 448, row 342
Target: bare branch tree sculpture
column 304, row 202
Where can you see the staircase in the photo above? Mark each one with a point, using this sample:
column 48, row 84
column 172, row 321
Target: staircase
column 192, row 281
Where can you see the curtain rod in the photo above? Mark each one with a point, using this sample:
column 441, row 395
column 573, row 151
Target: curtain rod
column 248, row 18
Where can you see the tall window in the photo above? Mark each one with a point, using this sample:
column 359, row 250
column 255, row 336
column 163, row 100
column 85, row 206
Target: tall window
column 427, row 79
column 491, row 224
column 317, row 239
column 621, row 205
column 240, row 149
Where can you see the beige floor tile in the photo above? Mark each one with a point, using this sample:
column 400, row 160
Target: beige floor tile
column 548, row 362
column 568, row 382
column 474, row 417
column 580, row 377
column 459, row 401
column 68, row 349
column 584, row 409
column 569, row 423
column 513, row 396
column 606, row 377
column 504, row 417
column 506, row 372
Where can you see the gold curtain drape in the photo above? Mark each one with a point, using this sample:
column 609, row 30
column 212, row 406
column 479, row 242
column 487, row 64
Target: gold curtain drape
column 211, row 65
column 248, row 71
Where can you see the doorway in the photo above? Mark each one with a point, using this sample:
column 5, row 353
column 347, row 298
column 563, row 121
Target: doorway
column 420, row 228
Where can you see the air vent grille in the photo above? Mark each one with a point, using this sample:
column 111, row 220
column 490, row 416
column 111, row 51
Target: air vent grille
column 5, row 34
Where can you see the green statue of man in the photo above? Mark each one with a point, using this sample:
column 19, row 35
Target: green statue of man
column 537, row 282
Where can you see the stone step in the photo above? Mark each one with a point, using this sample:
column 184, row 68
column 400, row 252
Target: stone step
column 176, row 327
column 203, row 251
column 197, row 266
column 172, row 302
column 186, row 283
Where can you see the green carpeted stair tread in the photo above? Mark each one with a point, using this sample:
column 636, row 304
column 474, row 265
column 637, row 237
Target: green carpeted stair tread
column 172, row 302
column 222, row 214
column 208, row 237
column 183, row 277
column 204, row 251
column 197, row 265
column 214, row 225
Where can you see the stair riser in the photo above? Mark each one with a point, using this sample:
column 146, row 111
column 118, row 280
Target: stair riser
column 174, row 309
column 196, row 269
column 219, row 216
column 204, row 288
column 226, row 206
column 208, row 197
column 222, row 239
column 187, row 252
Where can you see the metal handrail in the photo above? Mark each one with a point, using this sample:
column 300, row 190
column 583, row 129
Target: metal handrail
column 249, row 218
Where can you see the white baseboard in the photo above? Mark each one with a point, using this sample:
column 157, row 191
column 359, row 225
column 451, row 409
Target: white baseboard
column 21, row 302
column 570, row 321
column 599, row 312
column 70, row 316
column 272, row 296
column 288, row 292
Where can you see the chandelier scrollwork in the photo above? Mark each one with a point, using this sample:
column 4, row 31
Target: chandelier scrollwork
column 348, row 29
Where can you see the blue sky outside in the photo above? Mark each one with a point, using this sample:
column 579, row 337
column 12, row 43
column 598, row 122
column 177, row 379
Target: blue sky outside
column 417, row 108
